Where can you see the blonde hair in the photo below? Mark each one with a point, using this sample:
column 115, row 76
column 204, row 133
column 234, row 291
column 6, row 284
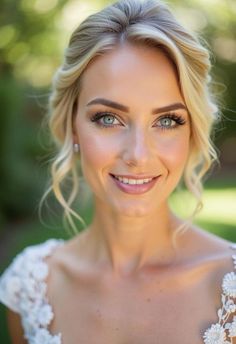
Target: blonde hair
column 151, row 23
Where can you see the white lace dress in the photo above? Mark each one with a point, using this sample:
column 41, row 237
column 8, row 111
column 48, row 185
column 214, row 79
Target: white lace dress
column 23, row 290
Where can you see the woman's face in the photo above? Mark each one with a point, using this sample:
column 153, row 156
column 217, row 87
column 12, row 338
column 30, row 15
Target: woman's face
column 132, row 124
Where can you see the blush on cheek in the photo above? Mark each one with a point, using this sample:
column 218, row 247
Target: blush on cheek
column 97, row 151
column 174, row 152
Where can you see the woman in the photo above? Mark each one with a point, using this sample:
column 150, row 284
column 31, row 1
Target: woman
column 132, row 103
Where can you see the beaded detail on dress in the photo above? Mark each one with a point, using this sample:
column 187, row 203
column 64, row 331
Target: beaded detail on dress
column 23, row 289
column 224, row 330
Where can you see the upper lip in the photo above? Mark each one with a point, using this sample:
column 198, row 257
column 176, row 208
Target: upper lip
column 139, row 176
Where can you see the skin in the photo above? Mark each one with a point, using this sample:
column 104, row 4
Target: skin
column 120, row 279
column 136, row 229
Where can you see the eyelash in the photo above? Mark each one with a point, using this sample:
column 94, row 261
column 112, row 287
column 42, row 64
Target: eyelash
column 179, row 120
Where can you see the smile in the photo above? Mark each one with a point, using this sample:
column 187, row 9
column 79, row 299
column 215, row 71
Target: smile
column 132, row 181
column 134, row 185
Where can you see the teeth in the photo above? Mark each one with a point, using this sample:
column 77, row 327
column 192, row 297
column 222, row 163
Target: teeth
column 133, row 181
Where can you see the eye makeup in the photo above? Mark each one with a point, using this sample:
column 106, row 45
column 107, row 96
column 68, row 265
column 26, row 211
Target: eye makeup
column 167, row 121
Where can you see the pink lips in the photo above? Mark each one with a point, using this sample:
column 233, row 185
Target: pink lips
column 135, row 188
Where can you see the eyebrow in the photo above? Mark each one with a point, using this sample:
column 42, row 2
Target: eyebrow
column 124, row 108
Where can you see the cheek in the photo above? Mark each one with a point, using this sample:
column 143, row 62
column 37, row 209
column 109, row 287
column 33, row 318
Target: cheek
column 96, row 150
column 173, row 151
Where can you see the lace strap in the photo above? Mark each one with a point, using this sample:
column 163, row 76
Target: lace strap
column 23, row 289
column 224, row 331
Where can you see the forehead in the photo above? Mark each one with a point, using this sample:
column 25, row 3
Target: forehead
column 133, row 72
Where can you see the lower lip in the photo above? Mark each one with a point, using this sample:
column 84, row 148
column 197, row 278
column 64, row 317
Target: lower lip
column 135, row 189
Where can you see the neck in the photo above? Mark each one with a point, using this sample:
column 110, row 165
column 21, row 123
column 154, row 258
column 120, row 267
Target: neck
column 127, row 244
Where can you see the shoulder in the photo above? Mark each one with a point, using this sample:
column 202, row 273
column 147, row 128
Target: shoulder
column 210, row 255
column 217, row 258
column 23, row 290
column 208, row 246
column 17, row 281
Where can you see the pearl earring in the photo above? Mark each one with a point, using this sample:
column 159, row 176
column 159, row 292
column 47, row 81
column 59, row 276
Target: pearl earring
column 76, row 147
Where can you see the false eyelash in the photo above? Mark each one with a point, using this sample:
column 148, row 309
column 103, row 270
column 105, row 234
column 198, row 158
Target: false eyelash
column 171, row 115
column 99, row 115
column 177, row 118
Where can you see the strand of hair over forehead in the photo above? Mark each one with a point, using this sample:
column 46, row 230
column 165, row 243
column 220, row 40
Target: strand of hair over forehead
column 138, row 22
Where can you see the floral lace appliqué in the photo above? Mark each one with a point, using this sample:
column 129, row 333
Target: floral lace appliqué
column 224, row 331
column 23, row 288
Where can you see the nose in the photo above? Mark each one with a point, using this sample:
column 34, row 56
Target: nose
column 138, row 148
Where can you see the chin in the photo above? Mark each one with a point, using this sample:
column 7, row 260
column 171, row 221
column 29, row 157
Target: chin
column 133, row 210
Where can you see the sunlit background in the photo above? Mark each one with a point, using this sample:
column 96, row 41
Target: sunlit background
column 33, row 35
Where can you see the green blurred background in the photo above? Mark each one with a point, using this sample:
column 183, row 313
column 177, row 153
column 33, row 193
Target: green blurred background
column 33, row 34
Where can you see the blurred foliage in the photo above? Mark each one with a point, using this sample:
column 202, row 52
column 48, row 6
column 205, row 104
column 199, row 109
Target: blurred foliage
column 33, row 34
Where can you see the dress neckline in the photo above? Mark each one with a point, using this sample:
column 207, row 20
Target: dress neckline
column 217, row 333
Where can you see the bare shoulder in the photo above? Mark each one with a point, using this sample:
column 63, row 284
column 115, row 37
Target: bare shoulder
column 66, row 264
column 209, row 249
column 69, row 255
